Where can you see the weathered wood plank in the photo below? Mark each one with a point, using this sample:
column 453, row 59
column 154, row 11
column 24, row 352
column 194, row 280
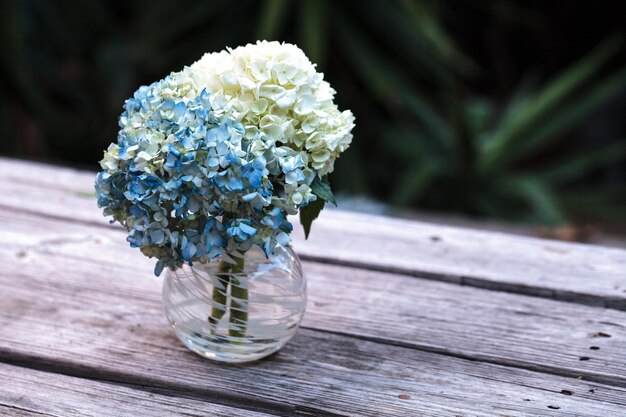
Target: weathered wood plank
column 102, row 318
column 87, row 333
column 509, row 329
column 30, row 392
column 564, row 271
column 15, row 412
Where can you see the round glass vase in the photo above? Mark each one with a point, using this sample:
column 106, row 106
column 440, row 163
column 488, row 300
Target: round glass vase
column 237, row 309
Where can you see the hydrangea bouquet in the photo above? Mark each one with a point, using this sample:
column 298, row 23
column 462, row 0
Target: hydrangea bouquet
column 211, row 160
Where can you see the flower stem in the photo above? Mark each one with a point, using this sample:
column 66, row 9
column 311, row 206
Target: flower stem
column 219, row 294
column 238, row 300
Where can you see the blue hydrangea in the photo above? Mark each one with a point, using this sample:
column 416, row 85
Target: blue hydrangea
column 188, row 184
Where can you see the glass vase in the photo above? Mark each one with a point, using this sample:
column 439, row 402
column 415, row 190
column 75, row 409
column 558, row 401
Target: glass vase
column 237, row 309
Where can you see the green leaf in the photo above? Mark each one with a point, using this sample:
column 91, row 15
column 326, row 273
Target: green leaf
column 310, row 213
column 425, row 21
column 389, row 83
column 272, row 19
column 576, row 166
column 569, row 116
column 313, row 28
column 604, row 202
column 503, row 141
column 321, row 188
column 376, row 71
column 430, row 118
column 517, row 102
column 412, row 185
column 351, row 175
column 389, row 21
column 543, row 200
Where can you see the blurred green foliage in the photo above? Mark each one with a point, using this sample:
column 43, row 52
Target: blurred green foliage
column 424, row 138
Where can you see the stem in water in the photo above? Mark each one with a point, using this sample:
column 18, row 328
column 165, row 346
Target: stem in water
column 238, row 300
column 220, row 293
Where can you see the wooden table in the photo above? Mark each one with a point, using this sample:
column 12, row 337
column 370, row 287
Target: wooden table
column 404, row 318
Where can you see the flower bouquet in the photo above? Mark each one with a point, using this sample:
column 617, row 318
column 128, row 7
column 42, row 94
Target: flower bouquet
column 208, row 164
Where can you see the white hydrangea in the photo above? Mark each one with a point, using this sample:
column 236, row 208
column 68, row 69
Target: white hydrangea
column 273, row 89
column 213, row 158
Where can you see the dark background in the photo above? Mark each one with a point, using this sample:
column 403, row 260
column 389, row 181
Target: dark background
column 510, row 110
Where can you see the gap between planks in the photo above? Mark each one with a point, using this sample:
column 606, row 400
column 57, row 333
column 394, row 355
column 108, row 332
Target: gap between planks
column 542, row 292
column 504, row 329
column 579, row 297
column 515, row 393
column 92, row 330
column 60, row 392
column 116, row 378
column 576, row 273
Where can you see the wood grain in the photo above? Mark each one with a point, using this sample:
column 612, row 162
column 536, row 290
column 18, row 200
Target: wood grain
column 508, row 329
column 88, row 333
column 28, row 392
column 378, row 338
column 101, row 318
column 564, row 271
